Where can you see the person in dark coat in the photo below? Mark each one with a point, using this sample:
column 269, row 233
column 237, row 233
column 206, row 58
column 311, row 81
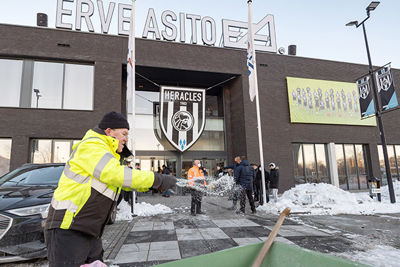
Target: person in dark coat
column 256, row 183
column 219, row 172
column 258, row 189
column 165, row 170
column 204, row 171
column 274, row 180
column 245, row 176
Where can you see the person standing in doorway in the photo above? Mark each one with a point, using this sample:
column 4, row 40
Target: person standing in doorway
column 165, row 170
column 196, row 177
column 219, row 172
column 274, row 180
column 256, row 183
column 137, row 166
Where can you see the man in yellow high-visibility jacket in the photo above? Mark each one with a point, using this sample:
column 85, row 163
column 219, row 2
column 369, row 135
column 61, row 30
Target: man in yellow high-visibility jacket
column 196, row 176
column 88, row 190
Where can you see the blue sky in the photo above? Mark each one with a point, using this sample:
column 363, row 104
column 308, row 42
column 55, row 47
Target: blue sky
column 316, row 27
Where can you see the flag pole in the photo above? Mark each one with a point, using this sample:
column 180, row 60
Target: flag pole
column 131, row 91
column 260, row 143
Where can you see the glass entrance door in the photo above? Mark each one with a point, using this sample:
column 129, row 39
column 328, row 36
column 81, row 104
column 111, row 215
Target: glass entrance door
column 209, row 165
column 155, row 164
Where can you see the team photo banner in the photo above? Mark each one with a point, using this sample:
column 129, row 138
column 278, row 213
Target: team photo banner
column 324, row 102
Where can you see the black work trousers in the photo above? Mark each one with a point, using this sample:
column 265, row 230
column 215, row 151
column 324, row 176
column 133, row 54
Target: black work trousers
column 257, row 190
column 196, row 201
column 249, row 194
column 69, row 248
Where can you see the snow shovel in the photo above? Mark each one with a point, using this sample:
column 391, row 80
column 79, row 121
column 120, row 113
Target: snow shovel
column 264, row 250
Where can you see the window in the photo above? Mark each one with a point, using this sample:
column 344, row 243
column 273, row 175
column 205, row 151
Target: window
column 362, row 170
column 10, row 82
column 48, row 79
column 351, row 167
column 350, row 159
column 34, row 175
column 78, row 81
column 310, row 165
column 394, row 161
column 43, row 84
column 51, row 150
column 298, row 163
column 309, row 162
column 320, row 153
column 5, row 152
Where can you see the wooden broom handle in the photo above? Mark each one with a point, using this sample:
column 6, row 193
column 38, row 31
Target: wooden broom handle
column 264, row 250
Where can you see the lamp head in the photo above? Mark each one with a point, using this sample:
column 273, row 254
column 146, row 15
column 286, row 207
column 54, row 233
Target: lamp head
column 372, row 6
column 351, row 23
column 36, row 91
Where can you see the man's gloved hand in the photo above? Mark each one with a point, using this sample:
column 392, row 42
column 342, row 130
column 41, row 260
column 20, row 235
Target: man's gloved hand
column 162, row 182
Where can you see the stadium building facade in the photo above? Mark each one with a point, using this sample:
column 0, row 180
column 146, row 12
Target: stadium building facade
column 55, row 84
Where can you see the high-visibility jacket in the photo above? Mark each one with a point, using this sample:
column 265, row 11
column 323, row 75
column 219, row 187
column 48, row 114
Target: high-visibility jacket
column 195, row 173
column 90, row 184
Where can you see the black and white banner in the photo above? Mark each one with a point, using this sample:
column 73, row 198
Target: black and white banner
column 366, row 101
column 182, row 115
column 385, row 85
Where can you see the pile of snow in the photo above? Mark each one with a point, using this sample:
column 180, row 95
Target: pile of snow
column 327, row 199
column 378, row 256
column 140, row 209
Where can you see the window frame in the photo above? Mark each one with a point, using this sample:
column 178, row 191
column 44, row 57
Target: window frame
column 309, row 179
column 52, row 147
column 26, row 94
column 346, row 168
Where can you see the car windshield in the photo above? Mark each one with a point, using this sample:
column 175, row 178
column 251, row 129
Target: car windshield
column 46, row 175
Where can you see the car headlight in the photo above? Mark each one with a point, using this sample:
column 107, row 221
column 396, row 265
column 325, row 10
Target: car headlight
column 40, row 209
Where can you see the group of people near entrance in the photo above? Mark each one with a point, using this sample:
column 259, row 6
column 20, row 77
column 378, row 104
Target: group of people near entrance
column 248, row 182
column 248, row 179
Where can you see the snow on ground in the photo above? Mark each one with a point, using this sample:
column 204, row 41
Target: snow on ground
column 140, row 209
column 384, row 256
column 328, row 199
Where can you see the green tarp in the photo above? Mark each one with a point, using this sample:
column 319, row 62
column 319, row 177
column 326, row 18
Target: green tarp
column 280, row 254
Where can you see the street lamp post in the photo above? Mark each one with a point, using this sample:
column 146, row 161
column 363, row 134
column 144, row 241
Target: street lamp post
column 37, row 92
column 378, row 114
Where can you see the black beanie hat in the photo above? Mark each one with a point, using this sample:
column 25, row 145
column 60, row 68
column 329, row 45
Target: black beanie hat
column 113, row 120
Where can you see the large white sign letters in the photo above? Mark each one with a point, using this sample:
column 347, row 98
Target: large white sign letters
column 169, row 25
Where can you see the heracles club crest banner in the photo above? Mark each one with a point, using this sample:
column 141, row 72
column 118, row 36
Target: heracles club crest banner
column 182, row 115
column 385, row 85
column 367, row 107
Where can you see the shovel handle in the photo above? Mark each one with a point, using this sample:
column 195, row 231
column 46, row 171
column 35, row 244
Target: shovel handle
column 264, row 250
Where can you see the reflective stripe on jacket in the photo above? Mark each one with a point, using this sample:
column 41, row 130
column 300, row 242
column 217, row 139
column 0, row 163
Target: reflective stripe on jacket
column 90, row 183
column 195, row 173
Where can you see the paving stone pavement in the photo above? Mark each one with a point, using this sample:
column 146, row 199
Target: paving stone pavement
column 148, row 241
column 162, row 238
